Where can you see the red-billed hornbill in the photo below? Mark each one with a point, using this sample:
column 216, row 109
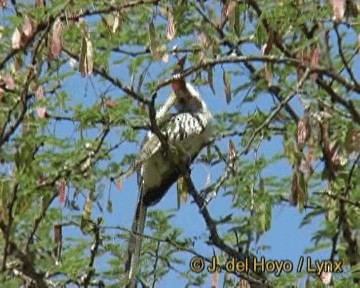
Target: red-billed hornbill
column 187, row 130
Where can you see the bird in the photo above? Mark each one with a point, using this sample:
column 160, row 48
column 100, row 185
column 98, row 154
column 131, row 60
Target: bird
column 185, row 132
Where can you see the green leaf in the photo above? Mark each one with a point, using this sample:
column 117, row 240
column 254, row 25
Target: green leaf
column 86, row 222
column 154, row 45
column 211, row 79
column 182, row 191
column 227, row 88
column 109, row 206
column 302, row 191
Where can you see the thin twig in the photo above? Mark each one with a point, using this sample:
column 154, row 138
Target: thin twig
column 275, row 112
column 342, row 55
column 155, row 263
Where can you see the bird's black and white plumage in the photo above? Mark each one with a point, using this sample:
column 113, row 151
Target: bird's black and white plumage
column 187, row 131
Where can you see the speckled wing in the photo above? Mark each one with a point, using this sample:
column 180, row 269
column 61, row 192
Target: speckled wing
column 185, row 125
column 184, row 130
column 150, row 146
column 176, row 127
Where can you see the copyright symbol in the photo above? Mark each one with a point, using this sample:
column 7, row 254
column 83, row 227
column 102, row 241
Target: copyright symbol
column 197, row 264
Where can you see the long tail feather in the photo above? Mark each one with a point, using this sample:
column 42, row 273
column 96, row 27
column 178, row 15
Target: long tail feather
column 134, row 246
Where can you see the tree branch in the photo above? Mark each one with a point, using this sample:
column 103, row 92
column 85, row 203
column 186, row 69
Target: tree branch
column 93, row 252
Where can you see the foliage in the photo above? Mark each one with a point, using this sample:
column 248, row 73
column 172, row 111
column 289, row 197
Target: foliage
column 76, row 84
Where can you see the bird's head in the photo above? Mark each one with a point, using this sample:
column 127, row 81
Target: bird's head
column 184, row 97
column 187, row 99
